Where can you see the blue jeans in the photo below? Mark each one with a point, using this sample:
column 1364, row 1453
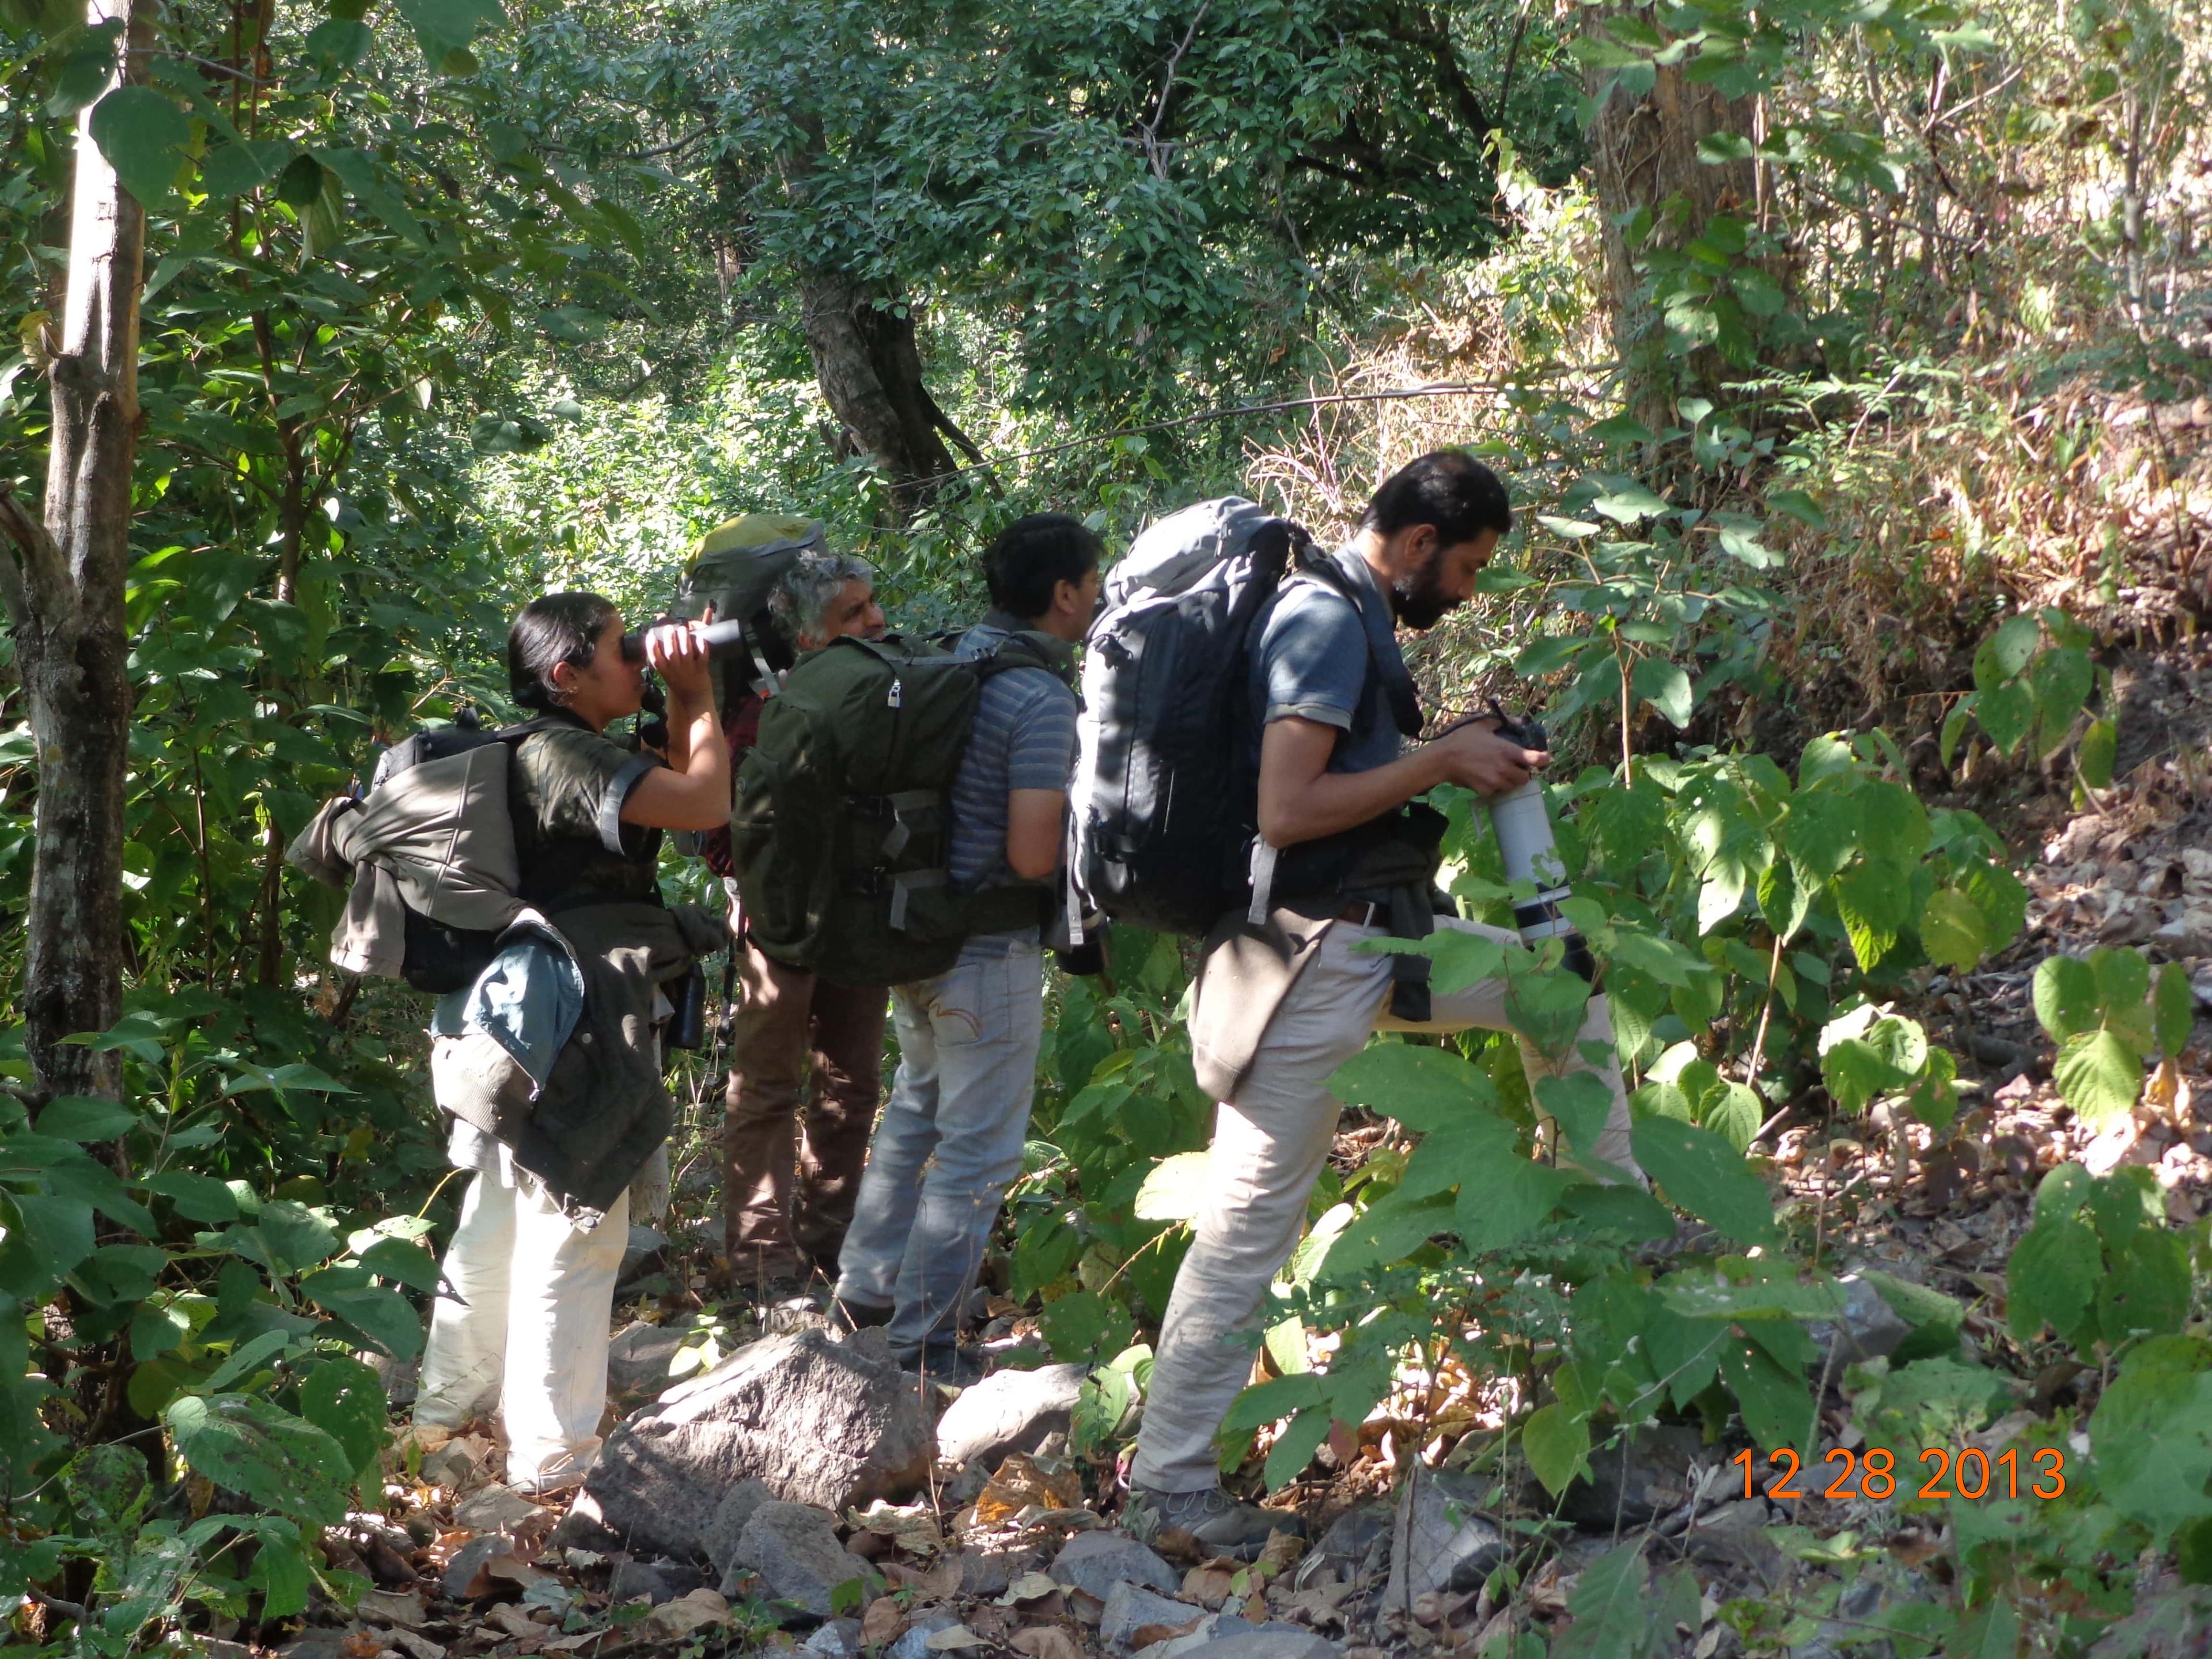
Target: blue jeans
column 950, row 1143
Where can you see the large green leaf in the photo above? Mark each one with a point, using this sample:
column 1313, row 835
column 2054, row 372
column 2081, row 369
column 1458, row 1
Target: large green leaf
column 85, row 1118
column 1705, row 1176
column 2065, row 992
column 2151, row 1436
column 1422, row 1088
column 345, row 1399
column 251, row 1446
column 1663, row 685
column 2173, row 1009
column 1176, row 1189
column 1557, row 1442
column 1953, row 930
column 380, row 1315
column 2098, row 1076
column 143, row 134
column 444, row 28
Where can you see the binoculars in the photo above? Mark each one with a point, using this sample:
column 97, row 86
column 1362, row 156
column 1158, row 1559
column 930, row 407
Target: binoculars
column 718, row 636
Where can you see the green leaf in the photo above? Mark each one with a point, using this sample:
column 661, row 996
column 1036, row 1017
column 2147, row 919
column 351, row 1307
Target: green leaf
column 251, row 1446
column 1422, row 1088
column 2098, row 1076
column 1582, row 1103
column 1993, row 1632
column 2173, row 1009
column 1295, row 1446
column 143, row 134
column 232, row 169
column 345, row 1399
column 1952, row 931
column 295, row 1236
column 1663, row 685
column 85, row 1118
column 1705, row 1176
column 1821, row 832
column 382, row 1315
column 1777, row 1407
column 2122, row 982
column 56, row 1231
column 1629, row 504
column 1176, row 1189
column 1101, row 1404
column 198, row 1197
column 2098, row 748
column 2051, row 1276
column 280, row 1573
column 2006, row 712
column 444, row 30
column 2060, row 682
column 2006, row 654
column 1084, row 1326
column 2152, row 1433
column 2065, row 992
column 1557, row 1443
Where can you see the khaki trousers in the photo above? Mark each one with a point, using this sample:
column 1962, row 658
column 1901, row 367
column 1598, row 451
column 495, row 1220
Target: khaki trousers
column 793, row 1144
column 1269, row 1144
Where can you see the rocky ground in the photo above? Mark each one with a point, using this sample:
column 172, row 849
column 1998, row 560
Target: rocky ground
column 802, row 1493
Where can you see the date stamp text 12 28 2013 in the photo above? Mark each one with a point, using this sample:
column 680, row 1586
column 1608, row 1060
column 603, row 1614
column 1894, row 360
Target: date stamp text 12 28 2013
column 1874, row 1474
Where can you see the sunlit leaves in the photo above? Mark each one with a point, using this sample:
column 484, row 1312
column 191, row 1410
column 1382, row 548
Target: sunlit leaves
column 143, row 134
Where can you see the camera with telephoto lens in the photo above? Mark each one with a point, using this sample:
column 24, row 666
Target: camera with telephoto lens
column 1525, row 846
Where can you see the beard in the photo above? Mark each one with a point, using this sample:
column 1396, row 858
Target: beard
column 1418, row 600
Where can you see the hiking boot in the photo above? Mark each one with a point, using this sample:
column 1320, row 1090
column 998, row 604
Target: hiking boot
column 1218, row 1523
column 846, row 1314
column 950, row 1367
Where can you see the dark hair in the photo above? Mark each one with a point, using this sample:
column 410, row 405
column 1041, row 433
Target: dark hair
column 553, row 629
column 1033, row 555
column 1446, row 487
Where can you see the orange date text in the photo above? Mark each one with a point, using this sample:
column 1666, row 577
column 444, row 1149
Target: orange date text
column 1875, row 1473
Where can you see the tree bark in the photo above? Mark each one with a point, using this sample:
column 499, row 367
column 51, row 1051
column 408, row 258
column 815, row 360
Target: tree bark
column 63, row 579
column 1644, row 155
column 869, row 372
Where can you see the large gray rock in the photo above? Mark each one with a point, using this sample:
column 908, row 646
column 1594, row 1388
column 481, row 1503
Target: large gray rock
column 1639, row 1476
column 817, row 1422
column 638, row 1356
column 1136, row 1617
column 914, row 1644
column 838, row 1639
column 795, row 1551
column 1870, row 1329
column 656, row 1581
column 1355, row 1549
column 728, row 1526
column 1268, row 1641
column 1008, row 1411
column 1438, row 1542
column 1216, row 1628
column 1097, row 1561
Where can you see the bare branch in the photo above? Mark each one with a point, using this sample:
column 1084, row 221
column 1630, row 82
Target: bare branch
column 1149, row 134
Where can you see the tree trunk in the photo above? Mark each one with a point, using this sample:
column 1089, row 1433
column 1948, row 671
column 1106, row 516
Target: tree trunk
column 869, row 372
column 63, row 580
column 1643, row 156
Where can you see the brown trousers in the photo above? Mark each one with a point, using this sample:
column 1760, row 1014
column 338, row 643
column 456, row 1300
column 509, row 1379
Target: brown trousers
column 793, row 1144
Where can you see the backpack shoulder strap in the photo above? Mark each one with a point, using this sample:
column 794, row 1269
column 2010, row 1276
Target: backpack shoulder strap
column 1028, row 649
column 1315, row 564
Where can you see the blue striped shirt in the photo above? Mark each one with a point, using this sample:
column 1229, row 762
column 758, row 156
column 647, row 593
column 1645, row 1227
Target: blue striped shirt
column 1023, row 738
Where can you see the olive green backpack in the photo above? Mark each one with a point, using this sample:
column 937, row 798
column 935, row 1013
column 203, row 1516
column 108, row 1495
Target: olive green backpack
column 843, row 825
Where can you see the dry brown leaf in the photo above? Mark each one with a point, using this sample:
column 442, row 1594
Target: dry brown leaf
column 1020, row 1484
column 1047, row 1642
column 883, row 1622
column 1208, row 1585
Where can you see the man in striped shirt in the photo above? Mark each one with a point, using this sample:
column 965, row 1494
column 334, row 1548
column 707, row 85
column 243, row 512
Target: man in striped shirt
column 950, row 1139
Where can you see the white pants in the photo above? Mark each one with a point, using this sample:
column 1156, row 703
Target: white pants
column 1269, row 1144
column 522, row 1321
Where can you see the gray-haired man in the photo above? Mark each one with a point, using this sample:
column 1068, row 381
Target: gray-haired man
column 807, row 1056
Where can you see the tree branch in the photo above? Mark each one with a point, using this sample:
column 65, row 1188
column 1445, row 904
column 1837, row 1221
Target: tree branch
column 1150, row 132
column 33, row 578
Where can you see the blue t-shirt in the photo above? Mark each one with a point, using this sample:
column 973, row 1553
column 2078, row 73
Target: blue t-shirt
column 1024, row 737
column 1313, row 661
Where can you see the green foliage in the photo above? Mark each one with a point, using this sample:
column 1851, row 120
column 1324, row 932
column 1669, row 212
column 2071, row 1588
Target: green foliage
column 2099, row 1265
column 2109, row 1017
column 2033, row 678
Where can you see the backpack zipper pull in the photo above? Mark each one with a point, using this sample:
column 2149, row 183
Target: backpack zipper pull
column 896, row 699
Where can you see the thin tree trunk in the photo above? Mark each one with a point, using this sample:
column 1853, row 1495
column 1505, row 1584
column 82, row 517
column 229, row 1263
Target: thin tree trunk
column 869, row 372
column 63, row 580
column 1644, row 157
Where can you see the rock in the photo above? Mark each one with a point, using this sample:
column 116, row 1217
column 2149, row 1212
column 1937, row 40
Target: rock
column 1356, row 1547
column 1268, row 1641
column 1097, row 1561
column 400, row 1607
column 1216, row 1628
column 795, row 1551
column 1437, row 1540
column 645, row 1243
column 992, row 1572
column 585, row 1528
column 656, row 1581
column 914, row 1644
column 402, row 1378
column 838, row 1639
column 414, row 1646
column 1735, row 1535
column 456, row 1466
column 481, row 1564
column 498, row 1508
column 1136, row 1617
column 1870, row 1329
column 316, row 1644
column 1880, row 1586
column 727, row 1524
column 817, row 1421
column 638, row 1356
column 213, row 1646
column 1009, row 1412
column 1637, row 1478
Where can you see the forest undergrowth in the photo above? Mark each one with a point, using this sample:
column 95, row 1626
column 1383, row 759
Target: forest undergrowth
column 1861, row 575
